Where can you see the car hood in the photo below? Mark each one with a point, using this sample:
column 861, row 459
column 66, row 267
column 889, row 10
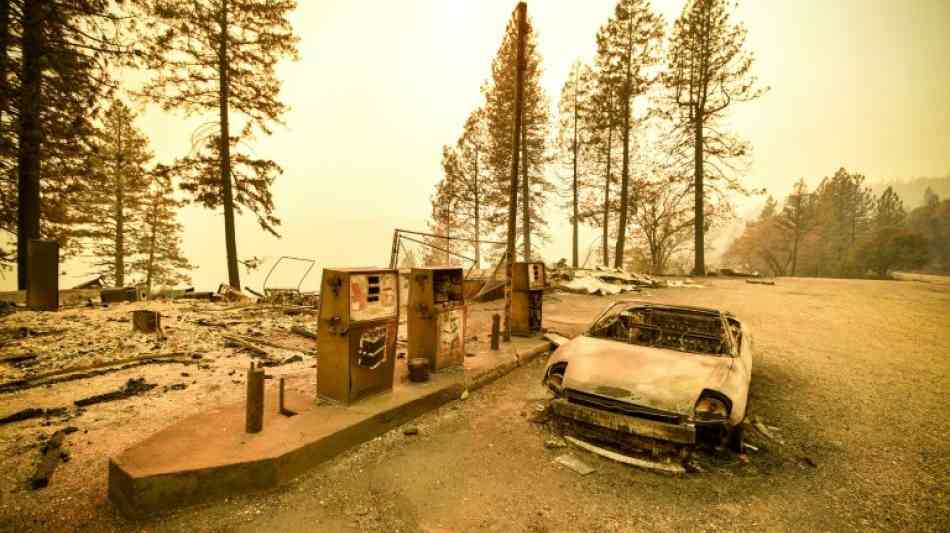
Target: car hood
column 650, row 377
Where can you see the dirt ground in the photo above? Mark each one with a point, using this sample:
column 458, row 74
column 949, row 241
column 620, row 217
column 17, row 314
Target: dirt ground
column 854, row 374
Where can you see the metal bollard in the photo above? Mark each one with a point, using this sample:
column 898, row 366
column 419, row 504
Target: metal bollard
column 280, row 397
column 255, row 399
column 42, row 291
column 495, row 330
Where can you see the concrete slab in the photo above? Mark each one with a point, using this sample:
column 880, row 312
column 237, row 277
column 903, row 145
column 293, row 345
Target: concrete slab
column 208, row 456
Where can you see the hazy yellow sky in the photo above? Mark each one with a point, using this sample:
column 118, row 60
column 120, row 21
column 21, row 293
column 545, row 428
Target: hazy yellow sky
column 381, row 85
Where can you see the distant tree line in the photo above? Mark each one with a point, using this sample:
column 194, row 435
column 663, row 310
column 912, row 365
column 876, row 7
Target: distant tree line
column 841, row 229
column 73, row 165
column 640, row 141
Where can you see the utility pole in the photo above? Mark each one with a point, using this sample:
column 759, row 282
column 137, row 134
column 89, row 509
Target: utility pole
column 522, row 15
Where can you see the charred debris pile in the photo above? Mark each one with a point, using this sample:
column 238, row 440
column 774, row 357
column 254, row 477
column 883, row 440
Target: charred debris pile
column 604, row 281
column 104, row 334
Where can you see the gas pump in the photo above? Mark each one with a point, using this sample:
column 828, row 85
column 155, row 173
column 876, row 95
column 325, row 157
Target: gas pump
column 527, row 291
column 437, row 316
column 359, row 320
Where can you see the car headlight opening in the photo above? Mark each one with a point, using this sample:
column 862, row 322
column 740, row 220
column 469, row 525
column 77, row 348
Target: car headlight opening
column 555, row 378
column 711, row 407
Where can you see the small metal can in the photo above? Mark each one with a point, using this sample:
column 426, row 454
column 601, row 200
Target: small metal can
column 418, row 369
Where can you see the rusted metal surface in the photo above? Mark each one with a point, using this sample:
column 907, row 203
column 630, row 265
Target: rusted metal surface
column 527, row 289
column 495, row 331
column 254, row 420
column 356, row 335
column 43, row 290
column 437, row 316
column 618, row 384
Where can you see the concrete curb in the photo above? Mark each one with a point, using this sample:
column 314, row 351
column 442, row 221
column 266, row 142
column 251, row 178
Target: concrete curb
column 138, row 490
column 483, row 378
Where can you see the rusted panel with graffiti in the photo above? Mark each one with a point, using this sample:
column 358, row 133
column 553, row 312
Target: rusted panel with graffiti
column 372, row 296
column 356, row 333
column 436, row 316
column 451, row 343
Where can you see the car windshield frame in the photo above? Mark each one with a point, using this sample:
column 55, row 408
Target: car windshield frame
column 619, row 307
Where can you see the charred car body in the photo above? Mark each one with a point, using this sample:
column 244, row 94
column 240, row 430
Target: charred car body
column 654, row 376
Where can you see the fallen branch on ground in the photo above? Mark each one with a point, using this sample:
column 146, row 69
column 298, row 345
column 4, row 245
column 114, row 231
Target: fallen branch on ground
column 303, row 332
column 244, row 343
column 32, row 412
column 133, row 387
column 52, row 455
column 16, row 358
column 83, row 372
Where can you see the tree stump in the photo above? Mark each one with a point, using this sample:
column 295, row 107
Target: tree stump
column 146, row 321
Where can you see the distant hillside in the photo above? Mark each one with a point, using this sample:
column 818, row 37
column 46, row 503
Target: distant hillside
column 911, row 191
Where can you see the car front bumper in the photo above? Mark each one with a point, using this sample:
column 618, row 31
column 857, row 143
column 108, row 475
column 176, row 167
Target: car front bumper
column 684, row 433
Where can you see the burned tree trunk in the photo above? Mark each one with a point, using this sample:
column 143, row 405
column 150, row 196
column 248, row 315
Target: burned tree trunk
column 606, row 237
column 525, row 189
column 699, row 267
column 119, row 220
column 574, row 188
column 4, row 46
column 224, row 89
column 31, row 137
column 478, row 223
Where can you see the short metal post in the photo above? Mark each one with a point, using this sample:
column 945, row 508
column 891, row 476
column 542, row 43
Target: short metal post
column 42, row 290
column 255, row 399
column 280, row 397
column 495, row 330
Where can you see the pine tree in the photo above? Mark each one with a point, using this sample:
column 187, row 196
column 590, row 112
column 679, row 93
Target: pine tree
column 797, row 219
column 219, row 56
column 888, row 211
column 119, row 182
column 55, row 57
column 499, row 95
column 159, row 259
column 474, row 199
column 444, row 222
column 627, row 46
column 596, row 202
column 890, row 245
column 574, row 135
column 709, row 71
column 844, row 210
column 932, row 220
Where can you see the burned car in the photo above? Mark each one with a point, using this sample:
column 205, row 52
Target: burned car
column 651, row 376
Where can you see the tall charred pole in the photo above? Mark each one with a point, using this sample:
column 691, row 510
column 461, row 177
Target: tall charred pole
column 522, row 16
column 224, row 96
column 31, row 137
